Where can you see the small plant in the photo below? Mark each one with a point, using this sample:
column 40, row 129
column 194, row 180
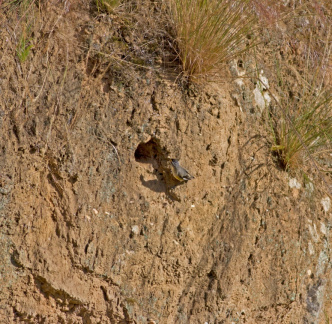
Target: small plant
column 107, row 5
column 304, row 133
column 22, row 5
column 304, row 128
column 301, row 119
column 208, row 33
column 24, row 46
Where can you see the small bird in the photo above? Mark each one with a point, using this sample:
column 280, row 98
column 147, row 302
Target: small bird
column 179, row 172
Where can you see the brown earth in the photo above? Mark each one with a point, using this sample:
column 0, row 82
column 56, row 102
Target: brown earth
column 94, row 228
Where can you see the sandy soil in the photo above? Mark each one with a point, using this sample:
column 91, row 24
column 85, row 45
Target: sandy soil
column 94, row 228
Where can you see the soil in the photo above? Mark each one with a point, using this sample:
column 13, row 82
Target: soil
column 93, row 226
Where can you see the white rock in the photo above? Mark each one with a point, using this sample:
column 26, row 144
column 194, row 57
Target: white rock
column 326, row 203
column 313, row 232
column 311, row 248
column 263, row 81
column 323, row 260
column 262, row 99
column 293, row 183
column 239, row 82
column 267, row 98
column 323, row 228
column 309, row 188
column 135, row 229
column 259, row 99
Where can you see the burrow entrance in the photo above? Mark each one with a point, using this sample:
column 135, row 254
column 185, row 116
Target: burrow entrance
column 149, row 152
column 152, row 153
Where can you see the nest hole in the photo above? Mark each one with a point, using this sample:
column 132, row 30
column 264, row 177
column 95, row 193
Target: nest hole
column 147, row 152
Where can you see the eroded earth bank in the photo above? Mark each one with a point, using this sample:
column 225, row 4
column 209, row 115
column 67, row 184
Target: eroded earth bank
column 94, row 228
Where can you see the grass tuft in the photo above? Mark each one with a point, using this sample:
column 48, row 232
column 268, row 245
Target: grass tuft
column 209, row 33
column 107, row 5
column 24, row 46
column 304, row 128
column 304, row 133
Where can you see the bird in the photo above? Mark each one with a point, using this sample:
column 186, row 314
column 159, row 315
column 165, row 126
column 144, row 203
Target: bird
column 179, row 172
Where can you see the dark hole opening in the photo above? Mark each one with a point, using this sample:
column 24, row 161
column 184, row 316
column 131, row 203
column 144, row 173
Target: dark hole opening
column 146, row 152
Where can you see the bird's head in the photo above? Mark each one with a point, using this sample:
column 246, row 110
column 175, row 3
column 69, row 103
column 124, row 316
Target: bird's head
column 175, row 162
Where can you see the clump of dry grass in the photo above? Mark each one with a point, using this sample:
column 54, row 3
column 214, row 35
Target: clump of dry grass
column 305, row 125
column 208, row 33
column 303, row 134
column 299, row 36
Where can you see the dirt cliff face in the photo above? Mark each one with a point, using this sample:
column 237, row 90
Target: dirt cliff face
column 95, row 229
